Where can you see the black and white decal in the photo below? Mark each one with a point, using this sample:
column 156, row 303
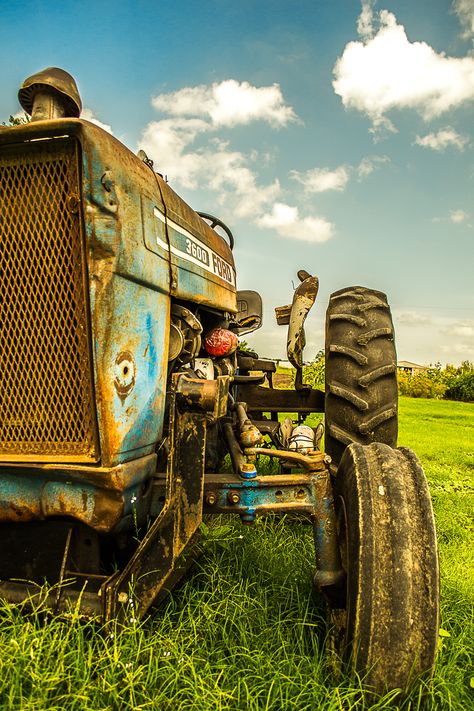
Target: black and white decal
column 195, row 251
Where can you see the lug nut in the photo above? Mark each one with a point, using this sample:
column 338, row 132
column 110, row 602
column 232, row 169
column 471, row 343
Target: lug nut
column 233, row 497
column 211, row 498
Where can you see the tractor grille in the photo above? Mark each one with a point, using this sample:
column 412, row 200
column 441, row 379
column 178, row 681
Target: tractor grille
column 46, row 399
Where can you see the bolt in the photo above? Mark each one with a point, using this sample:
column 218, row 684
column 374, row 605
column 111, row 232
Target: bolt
column 211, row 498
column 233, row 497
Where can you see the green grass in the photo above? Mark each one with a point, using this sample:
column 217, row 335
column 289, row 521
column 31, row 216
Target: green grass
column 246, row 631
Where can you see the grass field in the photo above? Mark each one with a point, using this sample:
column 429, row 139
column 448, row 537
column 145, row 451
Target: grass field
column 247, row 631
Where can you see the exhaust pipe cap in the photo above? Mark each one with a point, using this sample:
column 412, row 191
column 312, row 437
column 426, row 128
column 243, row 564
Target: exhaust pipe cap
column 54, row 80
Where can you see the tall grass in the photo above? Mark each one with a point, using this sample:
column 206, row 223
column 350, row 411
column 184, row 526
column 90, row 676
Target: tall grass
column 247, row 630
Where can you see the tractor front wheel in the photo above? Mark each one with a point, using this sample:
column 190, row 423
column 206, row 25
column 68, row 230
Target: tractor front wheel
column 384, row 620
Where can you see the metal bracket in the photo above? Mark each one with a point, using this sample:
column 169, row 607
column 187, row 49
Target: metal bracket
column 160, row 558
column 303, row 299
column 308, row 494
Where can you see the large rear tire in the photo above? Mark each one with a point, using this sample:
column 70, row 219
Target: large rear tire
column 385, row 621
column 361, row 401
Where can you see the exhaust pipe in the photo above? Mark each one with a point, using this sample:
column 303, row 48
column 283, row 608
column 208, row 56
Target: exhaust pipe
column 50, row 94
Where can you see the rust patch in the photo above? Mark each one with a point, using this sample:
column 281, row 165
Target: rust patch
column 125, row 371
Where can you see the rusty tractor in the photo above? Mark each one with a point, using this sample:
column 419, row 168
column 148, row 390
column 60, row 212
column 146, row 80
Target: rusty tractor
column 123, row 389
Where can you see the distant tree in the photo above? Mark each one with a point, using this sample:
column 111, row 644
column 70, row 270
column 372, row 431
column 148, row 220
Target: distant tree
column 466, row 366
column 436, row 382
column 426, row 383
column 462, row 388
column 17, row 120
column 314, row 373
column 460, row 382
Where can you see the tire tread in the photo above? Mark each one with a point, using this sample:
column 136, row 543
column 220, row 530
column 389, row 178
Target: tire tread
column 361, row 367
column 392, row 609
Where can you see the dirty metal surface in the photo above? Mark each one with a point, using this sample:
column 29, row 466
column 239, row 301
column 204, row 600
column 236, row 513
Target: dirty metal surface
column 250, row 311
column 308, row 494
column 313, row 461
column 264, row 494
column 84, row 602
column 261, row 399
column 153, row 568
column 62, row 83
column 63, row 553
column 202, row 264
column 47, row 406
column 303, row 299
column 162, row 554
column 129, row 346
column 129, row 296
column 99, row 497
column 35, row 551
column 320, row 498
column 282, row 314
column 198, row 394
column 247, row 363
column 130, row 279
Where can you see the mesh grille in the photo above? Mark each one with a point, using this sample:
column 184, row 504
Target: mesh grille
column 46, row 404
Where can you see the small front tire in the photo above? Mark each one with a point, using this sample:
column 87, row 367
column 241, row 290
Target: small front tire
column 385, row 619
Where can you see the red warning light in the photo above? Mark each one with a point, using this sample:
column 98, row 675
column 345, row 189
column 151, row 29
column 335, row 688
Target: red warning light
column 220, row 342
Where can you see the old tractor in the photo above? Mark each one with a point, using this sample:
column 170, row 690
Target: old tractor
column 123, row 389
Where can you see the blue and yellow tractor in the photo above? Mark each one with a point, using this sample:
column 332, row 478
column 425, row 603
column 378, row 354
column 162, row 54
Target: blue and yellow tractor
column 123, row 389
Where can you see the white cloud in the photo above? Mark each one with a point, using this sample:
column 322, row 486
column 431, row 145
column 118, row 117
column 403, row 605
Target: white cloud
column 188, row 150
column 464, row 9
column 425, row 337
column 319, row 180
column 460, row 337
column 455, row 216
column 89, row 115
column 386, row 71
column 203, row 110
column 228, row 103
column 466, row 330
column 235, row 183
column 369, row 164
column 286, row 220
column 167, row 142
column 213, row 166
column 365, row 28
column 458, row 216
column 413, row 318
column 441, row 140
column 460, row 349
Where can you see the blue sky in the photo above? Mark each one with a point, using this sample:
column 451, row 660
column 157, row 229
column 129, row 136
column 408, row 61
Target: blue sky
column 331, row 135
